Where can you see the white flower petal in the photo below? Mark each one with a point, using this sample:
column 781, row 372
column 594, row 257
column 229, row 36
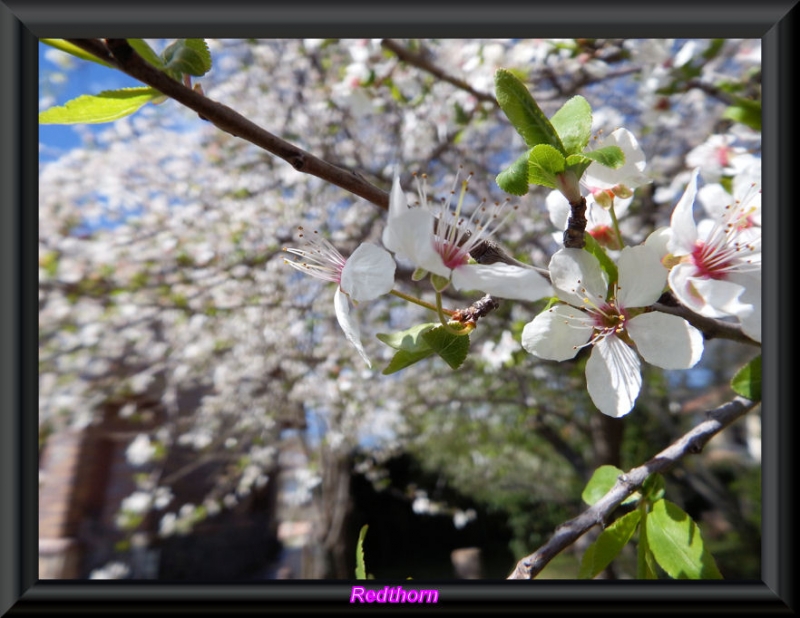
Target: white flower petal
column 613, row 376
column 559, row 209
column 684, row 230
column 502, row 280
column 642, row 277
column 666, row 341
column 556, row 334
column 368, row 273
column 349, row 325
column 659, row 240
column 572, row 270
column 719, row 298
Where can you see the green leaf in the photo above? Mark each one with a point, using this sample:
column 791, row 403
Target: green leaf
column 606, row 263
column 403, row 359
column 573, row 123
column 409, row 339
column 577, row 164
column 677, row 545
column 107, row 106
column 361, row 568
column 607, row 156
column 747, row 381
column 544, row 164
column 653, row 487
column 74, row 50
column 746, row 112
column 514, row 179
column 645, row 563
column 603, row 479
column 608, row 545
column 452, row 348
column 147, row 53
column 523, row 112
column 189, row 56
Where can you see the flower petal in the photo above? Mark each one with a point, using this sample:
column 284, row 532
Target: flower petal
column 642, row 277
column 575, row 270
column 631, row 173
column 613, row 376
column 556, row 334
column 368, row 273
column 502, row 280
column 684, row 230
column 350, row 327
column 666, row 341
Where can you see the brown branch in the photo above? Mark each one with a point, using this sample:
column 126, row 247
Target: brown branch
column 421, row 62
column 121, row 55
column 691, row 443
column 710, row 327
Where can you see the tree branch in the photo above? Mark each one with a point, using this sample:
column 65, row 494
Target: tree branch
column 120, row 54
column 691, row 443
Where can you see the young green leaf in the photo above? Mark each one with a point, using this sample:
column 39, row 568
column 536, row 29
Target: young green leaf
column 452, row 348
column 645, row 563
column 523, row 112
column 409, row 339
column 544, row 164
column 746, row 112
column 653, row 487
column 608, row 156
column 573, row 123
column 608, row 545
column 107, row 106
column 189, row 56
column 146, row 52
column 603, row 479
column 361, row 568
column 74, row 50
column 514, row 179
column 677, row 545
column 404, row 358
column 747, row 381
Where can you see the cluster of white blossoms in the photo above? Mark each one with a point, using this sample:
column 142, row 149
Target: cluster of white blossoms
column 712, row 267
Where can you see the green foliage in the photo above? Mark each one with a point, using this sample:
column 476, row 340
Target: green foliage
column 182, row 57
column 107, row 106
column 608, row 545
column 556, row 146
column 419, row 342
column 361, row 567
column 667, row 535
column 677, row 545
column 746, row 112
column 747, row 381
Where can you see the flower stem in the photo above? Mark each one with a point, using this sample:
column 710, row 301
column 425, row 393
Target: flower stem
column 615, row 223
column 418, row 301
column 444, row 320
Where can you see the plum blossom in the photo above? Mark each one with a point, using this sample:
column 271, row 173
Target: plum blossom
column 441, row 244
column 715, row 265
column 613, row 320
column 367, row 274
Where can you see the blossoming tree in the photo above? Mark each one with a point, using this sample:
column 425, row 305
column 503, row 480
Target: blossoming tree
column 164, row 249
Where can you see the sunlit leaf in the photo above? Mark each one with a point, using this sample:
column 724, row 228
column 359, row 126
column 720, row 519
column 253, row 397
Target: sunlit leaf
column 677, row 545
column 747, row 381
column 189, row 56
column 74, row 50
column 523, row 112
column 104, row 107
column 603, row 479
column 544, row 164
column 608, row 545
column 514, row 179
column 573, row 123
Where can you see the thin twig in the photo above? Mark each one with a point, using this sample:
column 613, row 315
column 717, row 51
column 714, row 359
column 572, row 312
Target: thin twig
column 691, row 443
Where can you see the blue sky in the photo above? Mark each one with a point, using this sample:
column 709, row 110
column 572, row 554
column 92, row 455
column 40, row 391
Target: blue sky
column 57, row 86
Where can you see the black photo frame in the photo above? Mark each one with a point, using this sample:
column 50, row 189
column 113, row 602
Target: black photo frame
column 23, row 22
